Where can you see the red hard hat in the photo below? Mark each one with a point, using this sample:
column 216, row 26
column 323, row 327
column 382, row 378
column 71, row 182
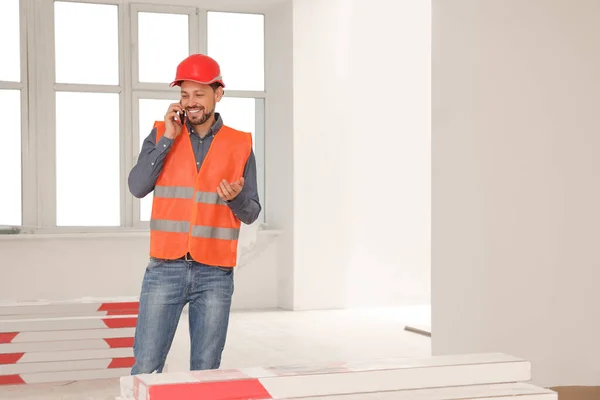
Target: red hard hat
column 198, row 68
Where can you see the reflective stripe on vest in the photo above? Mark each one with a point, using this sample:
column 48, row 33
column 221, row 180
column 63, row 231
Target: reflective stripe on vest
column 210, row 232
column 206, row 232
column 209, row 198
column 183, row 192
column 174, row 192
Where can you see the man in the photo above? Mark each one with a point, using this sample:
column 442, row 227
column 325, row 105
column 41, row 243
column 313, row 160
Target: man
column 203, row 174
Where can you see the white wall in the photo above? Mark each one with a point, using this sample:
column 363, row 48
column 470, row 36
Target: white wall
column 516, row 97
column 57, row 267
column 279, row 145
column 361, row 152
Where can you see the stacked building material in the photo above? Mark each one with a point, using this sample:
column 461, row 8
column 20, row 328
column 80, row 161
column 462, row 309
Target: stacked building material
column 476, row 376
column 54, row 341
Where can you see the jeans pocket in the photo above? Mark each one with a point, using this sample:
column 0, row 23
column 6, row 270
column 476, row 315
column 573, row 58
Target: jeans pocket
column 154, row 262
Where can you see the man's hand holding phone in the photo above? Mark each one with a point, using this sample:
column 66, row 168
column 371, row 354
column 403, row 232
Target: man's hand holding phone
column 174, row 119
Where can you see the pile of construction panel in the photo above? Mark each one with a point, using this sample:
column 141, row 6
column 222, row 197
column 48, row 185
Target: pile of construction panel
column 66, row 340
column 475, row 376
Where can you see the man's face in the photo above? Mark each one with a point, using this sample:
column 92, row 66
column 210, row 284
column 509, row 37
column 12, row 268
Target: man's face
column 199, row 101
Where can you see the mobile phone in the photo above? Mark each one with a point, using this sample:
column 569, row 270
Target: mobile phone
column 181, row 116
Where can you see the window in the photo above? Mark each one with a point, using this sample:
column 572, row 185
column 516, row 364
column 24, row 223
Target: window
column 11, row 106
column 86, row 43
column 87, row 159
column 87, row 121
column 81, row 84
column 240, row 113
column 10, row 46
column 10, row 162
column 240, row 51
column 158, row 52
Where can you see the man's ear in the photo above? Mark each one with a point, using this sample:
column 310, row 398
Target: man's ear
column 219, row 93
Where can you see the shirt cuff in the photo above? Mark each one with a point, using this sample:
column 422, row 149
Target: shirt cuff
column 238, row 202
column 164, row 144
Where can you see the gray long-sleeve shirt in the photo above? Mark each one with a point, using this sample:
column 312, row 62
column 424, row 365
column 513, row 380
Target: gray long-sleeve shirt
column 143, row 176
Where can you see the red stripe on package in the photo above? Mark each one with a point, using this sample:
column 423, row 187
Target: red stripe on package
column 114, row 343
column 10, row 358
column 11, row 380
column 120, row 322
column 122, row 362
column 7, row 337
column 250, row 389
column 120, row 308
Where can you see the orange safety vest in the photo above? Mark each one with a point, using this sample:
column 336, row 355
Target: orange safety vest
column 187, row 213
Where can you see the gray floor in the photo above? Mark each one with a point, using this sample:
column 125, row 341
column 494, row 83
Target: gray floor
column 275, row 338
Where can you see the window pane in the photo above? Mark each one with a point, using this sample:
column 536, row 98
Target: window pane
column 163, row 41
column 10, row 46
column 150, row 110
column 87, row 159
column 10, row 162
column 239, row 51
column 239, row 113
column 87, row 43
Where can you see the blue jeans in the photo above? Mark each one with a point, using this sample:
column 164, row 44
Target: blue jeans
column 167, row 286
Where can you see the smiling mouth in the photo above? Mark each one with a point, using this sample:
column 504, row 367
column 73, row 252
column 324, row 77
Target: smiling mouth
column 194, row 111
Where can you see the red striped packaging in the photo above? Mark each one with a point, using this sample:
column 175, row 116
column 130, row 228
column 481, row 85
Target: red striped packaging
column 66, row 340
column 67, row 323
column 87, row 306
column 61, row 345
column 332, row 379
column 63, row 335
column 516, row 391
column 67, row 355
column 57, row 366
column 61, row 376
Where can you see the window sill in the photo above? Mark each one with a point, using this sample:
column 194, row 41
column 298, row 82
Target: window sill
column 98, row 235
column 74, row 235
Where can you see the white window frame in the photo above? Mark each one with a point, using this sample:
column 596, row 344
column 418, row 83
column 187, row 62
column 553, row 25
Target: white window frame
column 38, row 98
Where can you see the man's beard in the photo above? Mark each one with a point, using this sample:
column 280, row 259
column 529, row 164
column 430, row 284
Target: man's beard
column 205, row 117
